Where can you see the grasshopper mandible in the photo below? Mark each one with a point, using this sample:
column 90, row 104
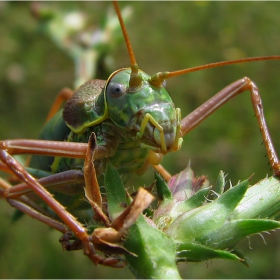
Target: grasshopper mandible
column 146, row 130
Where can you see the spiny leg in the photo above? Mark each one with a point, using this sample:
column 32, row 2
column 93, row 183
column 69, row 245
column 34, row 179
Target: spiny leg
column 93, row 194
column 4, row 190
column 27, row 206
column 65, row 216
column 41, row 147
column 92, row 189
column 202, row 112
column 51, row 148
column 57, row 182
column 48, row 148
column 23, row 175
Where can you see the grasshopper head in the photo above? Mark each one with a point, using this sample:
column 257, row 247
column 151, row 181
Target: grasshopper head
column 145, row 110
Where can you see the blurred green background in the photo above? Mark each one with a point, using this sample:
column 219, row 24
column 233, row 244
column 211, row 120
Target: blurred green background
column 165, row 36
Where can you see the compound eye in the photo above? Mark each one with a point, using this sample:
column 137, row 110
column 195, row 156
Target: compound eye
column 115, row 89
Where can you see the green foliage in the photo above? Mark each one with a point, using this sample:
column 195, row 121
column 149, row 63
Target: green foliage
column 180, row 231
column 115, row 192
column 156, row 252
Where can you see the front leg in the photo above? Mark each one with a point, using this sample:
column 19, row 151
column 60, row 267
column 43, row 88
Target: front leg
column 242, row 85
column 71, row 222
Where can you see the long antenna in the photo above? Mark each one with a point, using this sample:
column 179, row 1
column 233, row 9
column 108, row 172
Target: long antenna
column 135, row 78
column 157, row 79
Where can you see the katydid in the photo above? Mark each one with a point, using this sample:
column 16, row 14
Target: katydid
column 135, row 123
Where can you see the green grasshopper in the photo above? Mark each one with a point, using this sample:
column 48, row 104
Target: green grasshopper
column 135, row 123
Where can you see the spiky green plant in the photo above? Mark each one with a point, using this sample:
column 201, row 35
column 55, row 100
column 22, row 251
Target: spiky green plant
column 193, row 222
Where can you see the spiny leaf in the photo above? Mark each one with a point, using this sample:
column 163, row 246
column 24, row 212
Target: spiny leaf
column 162, row 189
column 155, row 250
column 203, row 220
column 219, row 187
column 237, row 230
column 194, row 252
column 260, row 200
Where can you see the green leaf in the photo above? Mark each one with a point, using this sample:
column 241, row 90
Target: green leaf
column 260, row 201
column 219, row 187
column 116, row 195
column 155, row 250
column 234, row 231
column 196, row 200
column 203, row 220
column 194, row 252
column 162, row 189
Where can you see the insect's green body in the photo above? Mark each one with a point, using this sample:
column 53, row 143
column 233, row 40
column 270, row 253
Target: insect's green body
column 126, row 123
